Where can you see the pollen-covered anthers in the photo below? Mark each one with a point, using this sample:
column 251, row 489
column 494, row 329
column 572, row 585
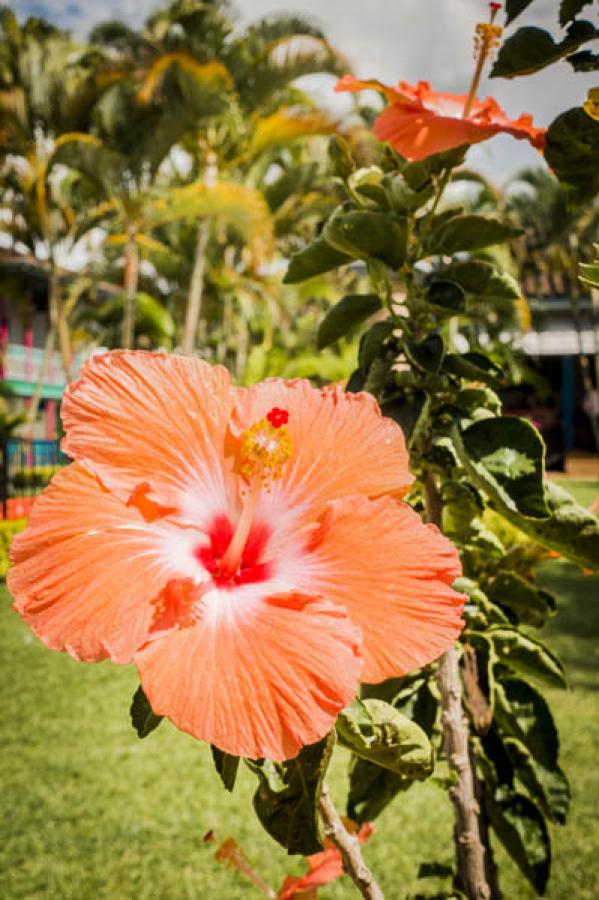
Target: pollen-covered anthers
column 265, row 448
column 487, row 35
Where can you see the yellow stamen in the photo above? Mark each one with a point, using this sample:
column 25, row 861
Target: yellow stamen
column 264, row 451
column 487, row 37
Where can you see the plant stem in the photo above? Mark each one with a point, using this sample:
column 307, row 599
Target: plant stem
column 470, row 850
column 349, row 847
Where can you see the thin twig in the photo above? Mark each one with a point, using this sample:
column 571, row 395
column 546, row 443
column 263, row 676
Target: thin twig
column 349, row 847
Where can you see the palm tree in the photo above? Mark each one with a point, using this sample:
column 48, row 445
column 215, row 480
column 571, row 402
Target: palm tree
column 558, row 234
column 171, row 65
column 46, row 87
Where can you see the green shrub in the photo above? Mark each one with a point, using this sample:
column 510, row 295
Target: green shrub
column 34, row 476
column 8, row 529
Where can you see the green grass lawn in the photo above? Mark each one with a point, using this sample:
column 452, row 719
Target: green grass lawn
column 92, row 812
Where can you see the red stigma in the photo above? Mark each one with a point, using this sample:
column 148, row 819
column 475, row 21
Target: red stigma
column 277, row 417
column 495, row 7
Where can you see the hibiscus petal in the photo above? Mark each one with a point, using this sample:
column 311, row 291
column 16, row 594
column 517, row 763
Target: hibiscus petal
column 85, row 570
column 351, row 84
column 417, row 133
column 256, row 676
column 155, row 420
column 392, row 573
column 341, row 443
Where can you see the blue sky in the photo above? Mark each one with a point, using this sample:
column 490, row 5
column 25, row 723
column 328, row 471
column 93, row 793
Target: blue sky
column 390, row 39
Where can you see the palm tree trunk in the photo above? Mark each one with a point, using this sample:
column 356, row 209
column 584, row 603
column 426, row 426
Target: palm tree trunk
column 60, row 325
column 131, row 280
column 196, row 289
column 41, row 375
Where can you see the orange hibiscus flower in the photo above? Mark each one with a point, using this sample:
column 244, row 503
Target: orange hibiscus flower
column 245, row 548
column 419, row 121
column 323, row 868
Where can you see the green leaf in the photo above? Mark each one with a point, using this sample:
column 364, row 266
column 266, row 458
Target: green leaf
column 526, row 602
column 569, row 9
column 427, row 354
column 572, row 151
column 143, row 719
column 584, row 61
column 531, row 49
column 345, row 315
column 408, row 412
column 521, row 828
column 363, row 234
column 421, row 706
column 481, row 279
column 340, row 156
column 372, row 343
column 469, row 232
column 547, row 787
column 438, row 162
column 526, row 656
column 522, row 712
column 404, row 194
column 371, row 789
column 572, row 530
column 226, row 766
column 316, row 258
column 447, row 297
column 472, row 402
column 513, row 8
column 355, row 382
column 474, row 366
column 461, row 504
column 287, row 797
column 379, row 733
column 493, row 615
column 377, row 377
column 505, row 456
column 589, row 274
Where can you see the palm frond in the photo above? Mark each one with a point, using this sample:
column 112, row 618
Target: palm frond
column 241, row 208
column 287, row 125
column 212, row 75
column 276, row 27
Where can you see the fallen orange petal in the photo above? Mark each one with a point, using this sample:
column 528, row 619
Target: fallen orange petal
column 323, row 868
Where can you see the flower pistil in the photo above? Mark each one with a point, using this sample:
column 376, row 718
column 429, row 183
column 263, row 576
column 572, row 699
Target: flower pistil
column 265, row 448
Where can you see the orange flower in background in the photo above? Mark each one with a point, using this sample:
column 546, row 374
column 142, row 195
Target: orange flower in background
column 420, row 121
column 245, row 548
column 323, row 867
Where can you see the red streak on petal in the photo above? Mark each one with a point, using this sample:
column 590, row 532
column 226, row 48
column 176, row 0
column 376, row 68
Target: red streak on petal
column 175, row 604
column 149, row 509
